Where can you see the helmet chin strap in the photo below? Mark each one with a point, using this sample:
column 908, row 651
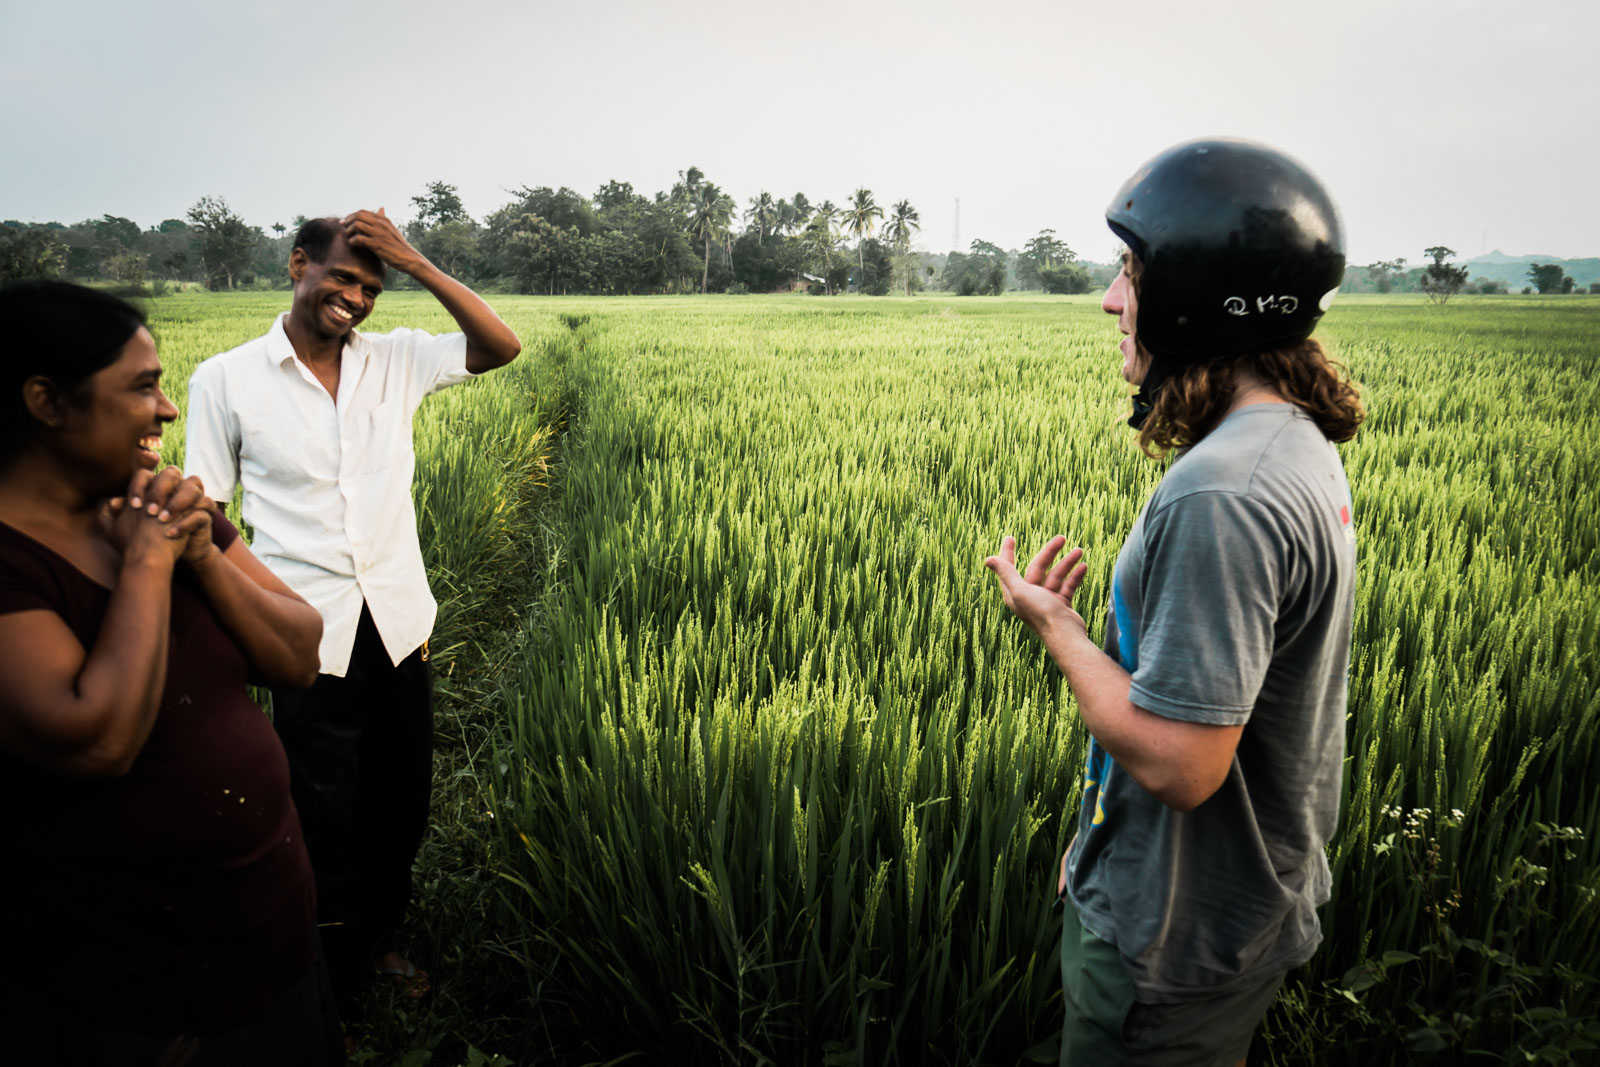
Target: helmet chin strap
column 1144, row 401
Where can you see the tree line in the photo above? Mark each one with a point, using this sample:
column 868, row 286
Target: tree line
column 1440, row 279
column 693, row 237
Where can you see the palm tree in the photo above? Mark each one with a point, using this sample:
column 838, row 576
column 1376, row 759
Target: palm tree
column 860, row 219
column 820, row 239
column 687, row 187
column 763, row 212
column 787, row 219
column 709, row 215
column 802, row 209
column 899, row 229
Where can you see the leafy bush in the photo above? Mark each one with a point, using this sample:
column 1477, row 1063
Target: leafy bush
column 1501, row 996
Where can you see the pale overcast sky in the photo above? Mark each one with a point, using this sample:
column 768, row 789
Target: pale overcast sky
column 1459, row 122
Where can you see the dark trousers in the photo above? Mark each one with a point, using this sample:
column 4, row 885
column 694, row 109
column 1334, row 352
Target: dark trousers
column 361, row 769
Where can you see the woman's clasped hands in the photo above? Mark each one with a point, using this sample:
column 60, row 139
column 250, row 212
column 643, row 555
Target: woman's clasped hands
column 162, row 514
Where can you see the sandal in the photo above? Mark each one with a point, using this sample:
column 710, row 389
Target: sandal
column 408, row 980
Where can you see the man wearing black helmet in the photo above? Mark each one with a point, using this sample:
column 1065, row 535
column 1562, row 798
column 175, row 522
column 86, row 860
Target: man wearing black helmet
column 1216, row 707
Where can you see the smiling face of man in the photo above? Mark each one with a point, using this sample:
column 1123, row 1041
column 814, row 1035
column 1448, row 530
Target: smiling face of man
column 333, row 296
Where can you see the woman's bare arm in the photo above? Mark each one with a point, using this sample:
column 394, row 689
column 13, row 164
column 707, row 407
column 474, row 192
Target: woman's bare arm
column 89, row 712
column 278, row 631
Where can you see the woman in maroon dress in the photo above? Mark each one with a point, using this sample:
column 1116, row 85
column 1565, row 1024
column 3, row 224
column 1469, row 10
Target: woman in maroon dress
column 156, row 903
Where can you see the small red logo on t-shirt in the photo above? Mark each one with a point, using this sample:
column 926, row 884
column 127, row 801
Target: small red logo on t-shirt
column 1344, row 515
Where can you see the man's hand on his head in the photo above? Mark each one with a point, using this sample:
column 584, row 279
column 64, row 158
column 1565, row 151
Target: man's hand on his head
column 375, row 232
column 490, row 342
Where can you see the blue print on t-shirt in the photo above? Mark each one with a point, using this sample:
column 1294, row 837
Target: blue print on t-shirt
column 1097, row 768
column 1127, row 636
column 1095, row 771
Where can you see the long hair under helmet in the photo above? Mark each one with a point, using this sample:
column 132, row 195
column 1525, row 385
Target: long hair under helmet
column 1241, row 250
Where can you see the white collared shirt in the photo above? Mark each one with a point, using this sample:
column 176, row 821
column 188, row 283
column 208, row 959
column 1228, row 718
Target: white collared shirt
column 327, row 487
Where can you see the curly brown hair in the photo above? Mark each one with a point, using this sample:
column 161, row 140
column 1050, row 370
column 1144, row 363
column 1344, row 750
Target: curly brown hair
column 1194, row 398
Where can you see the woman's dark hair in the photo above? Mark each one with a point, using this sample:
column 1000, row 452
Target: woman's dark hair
column 59, row 331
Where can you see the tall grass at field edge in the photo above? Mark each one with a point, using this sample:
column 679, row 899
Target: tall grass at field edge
column 789, row 786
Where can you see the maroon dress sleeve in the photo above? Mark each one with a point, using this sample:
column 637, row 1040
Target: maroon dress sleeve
column 22, row 581
column 33, row 578
column 223, row 532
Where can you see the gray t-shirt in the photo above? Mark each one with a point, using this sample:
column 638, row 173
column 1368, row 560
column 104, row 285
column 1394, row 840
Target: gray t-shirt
column 1231, row 603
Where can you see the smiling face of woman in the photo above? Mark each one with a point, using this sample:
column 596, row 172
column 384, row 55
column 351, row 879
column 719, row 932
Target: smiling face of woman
column 111, row 424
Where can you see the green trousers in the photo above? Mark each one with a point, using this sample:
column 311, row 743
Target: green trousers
column 1107, row 1026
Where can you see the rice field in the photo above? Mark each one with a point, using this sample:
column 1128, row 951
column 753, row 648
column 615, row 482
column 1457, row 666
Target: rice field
column 774, row 777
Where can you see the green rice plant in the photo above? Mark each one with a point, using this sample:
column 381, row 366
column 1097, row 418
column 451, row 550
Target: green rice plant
column 769, row 775
column 788, row 784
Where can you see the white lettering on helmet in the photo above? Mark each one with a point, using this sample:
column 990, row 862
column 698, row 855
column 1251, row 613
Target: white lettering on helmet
column 1283, row 305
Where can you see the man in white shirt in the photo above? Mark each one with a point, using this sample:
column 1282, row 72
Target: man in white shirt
column 314, row 421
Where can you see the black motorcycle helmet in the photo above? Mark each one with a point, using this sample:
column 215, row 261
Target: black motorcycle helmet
column 1241, row 250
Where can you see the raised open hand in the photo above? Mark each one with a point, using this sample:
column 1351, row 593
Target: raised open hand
column 1040, row 596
